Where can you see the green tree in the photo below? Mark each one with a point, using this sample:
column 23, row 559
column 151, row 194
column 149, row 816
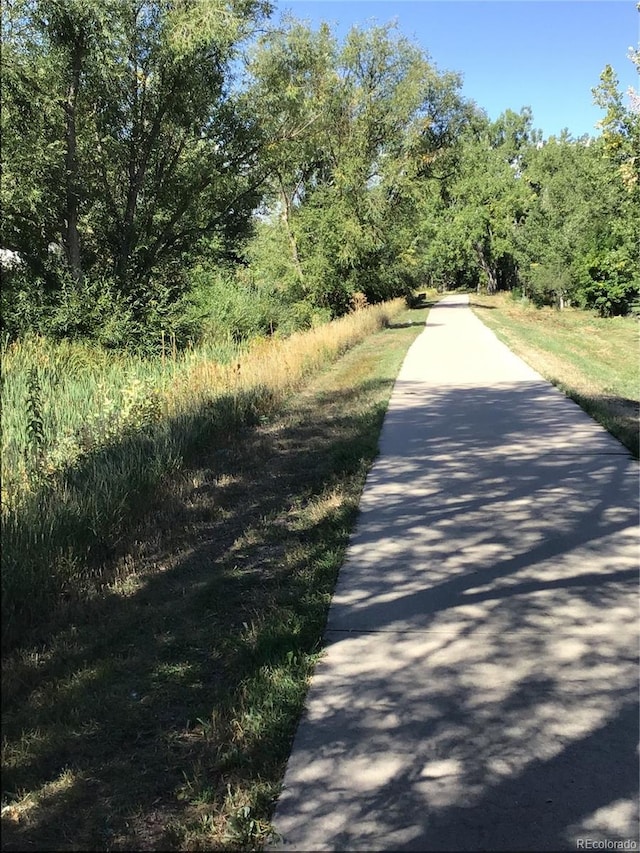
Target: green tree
column 581, row 237
column 351, row 132
column 470, row 227
column 137, row 154
column 293, row 77
column 610, row 273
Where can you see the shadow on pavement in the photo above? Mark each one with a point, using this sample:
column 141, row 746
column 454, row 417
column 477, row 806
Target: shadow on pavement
column 480, row 685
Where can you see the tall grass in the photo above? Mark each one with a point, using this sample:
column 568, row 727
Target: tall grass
column 88, row 438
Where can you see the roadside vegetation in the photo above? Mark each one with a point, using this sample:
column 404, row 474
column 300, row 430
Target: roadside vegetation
column 190, row 170
column 593, row 360
column 158, row 713
column 212, row 225
column 89, row 439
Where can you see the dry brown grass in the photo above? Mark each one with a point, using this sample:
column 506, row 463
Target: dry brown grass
column 278, row 366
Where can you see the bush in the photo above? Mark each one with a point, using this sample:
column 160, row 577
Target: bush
column 25, row 302
column 609, row 282
column 91, row 309
column 221, row 308
column 548, row 284
column 94, row 309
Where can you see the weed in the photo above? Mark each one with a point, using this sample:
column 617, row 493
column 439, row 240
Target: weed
column 245, row 831
column 35, row 438
column 108, row 433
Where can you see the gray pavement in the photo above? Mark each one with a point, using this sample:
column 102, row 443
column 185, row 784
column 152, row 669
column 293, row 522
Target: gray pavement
column 479, row 689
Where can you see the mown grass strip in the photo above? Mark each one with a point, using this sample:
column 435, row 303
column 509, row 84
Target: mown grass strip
column 593, row 360
column 160, row 715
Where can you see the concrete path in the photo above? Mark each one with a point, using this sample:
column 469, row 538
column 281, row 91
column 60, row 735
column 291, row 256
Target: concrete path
column 479, row 689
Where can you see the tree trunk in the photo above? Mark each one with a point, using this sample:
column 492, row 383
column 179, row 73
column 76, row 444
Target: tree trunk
column 286, row 218
column 71, row 235
column 487, row 268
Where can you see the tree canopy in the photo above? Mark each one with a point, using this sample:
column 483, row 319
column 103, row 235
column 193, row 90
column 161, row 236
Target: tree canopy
column 155, row 149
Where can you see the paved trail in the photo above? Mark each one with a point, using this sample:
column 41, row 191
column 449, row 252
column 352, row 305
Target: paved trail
column 480, row 685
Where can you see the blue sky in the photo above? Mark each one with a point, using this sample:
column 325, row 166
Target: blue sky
column 546, row 54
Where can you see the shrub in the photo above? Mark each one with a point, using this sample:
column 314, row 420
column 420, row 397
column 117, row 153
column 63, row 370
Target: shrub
column 608, row 281
column 548, row 284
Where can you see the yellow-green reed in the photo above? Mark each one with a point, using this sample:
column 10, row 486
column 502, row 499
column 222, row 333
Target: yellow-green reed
column 88, row 436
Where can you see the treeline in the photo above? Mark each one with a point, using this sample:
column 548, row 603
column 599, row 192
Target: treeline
column 188, row 169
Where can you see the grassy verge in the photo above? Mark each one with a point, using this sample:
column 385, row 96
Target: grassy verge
column 86, row 449
column 593, row 360
column 160, row 714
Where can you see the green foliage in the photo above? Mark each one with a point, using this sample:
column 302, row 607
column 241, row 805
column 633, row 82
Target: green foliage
column 23, row 302
column 547, row 285
column 128, row 160
column 94, row 309
column 608, row 281
column 89, row 308
column 621, row 124
column 580, row 229
column 469, row 228
column 231, row 305
column 222, row 308
column 556, row 220
column 34, row 449
column 136, row 157
column 122, row 145
column 356, row 128
column 269, row 259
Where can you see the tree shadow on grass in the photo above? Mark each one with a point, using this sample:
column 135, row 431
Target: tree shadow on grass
column 232, row 586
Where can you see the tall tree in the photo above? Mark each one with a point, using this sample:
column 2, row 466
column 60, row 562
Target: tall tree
column 293, row 78
column 471, row 226
column 132, row 106
column 356, row 126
